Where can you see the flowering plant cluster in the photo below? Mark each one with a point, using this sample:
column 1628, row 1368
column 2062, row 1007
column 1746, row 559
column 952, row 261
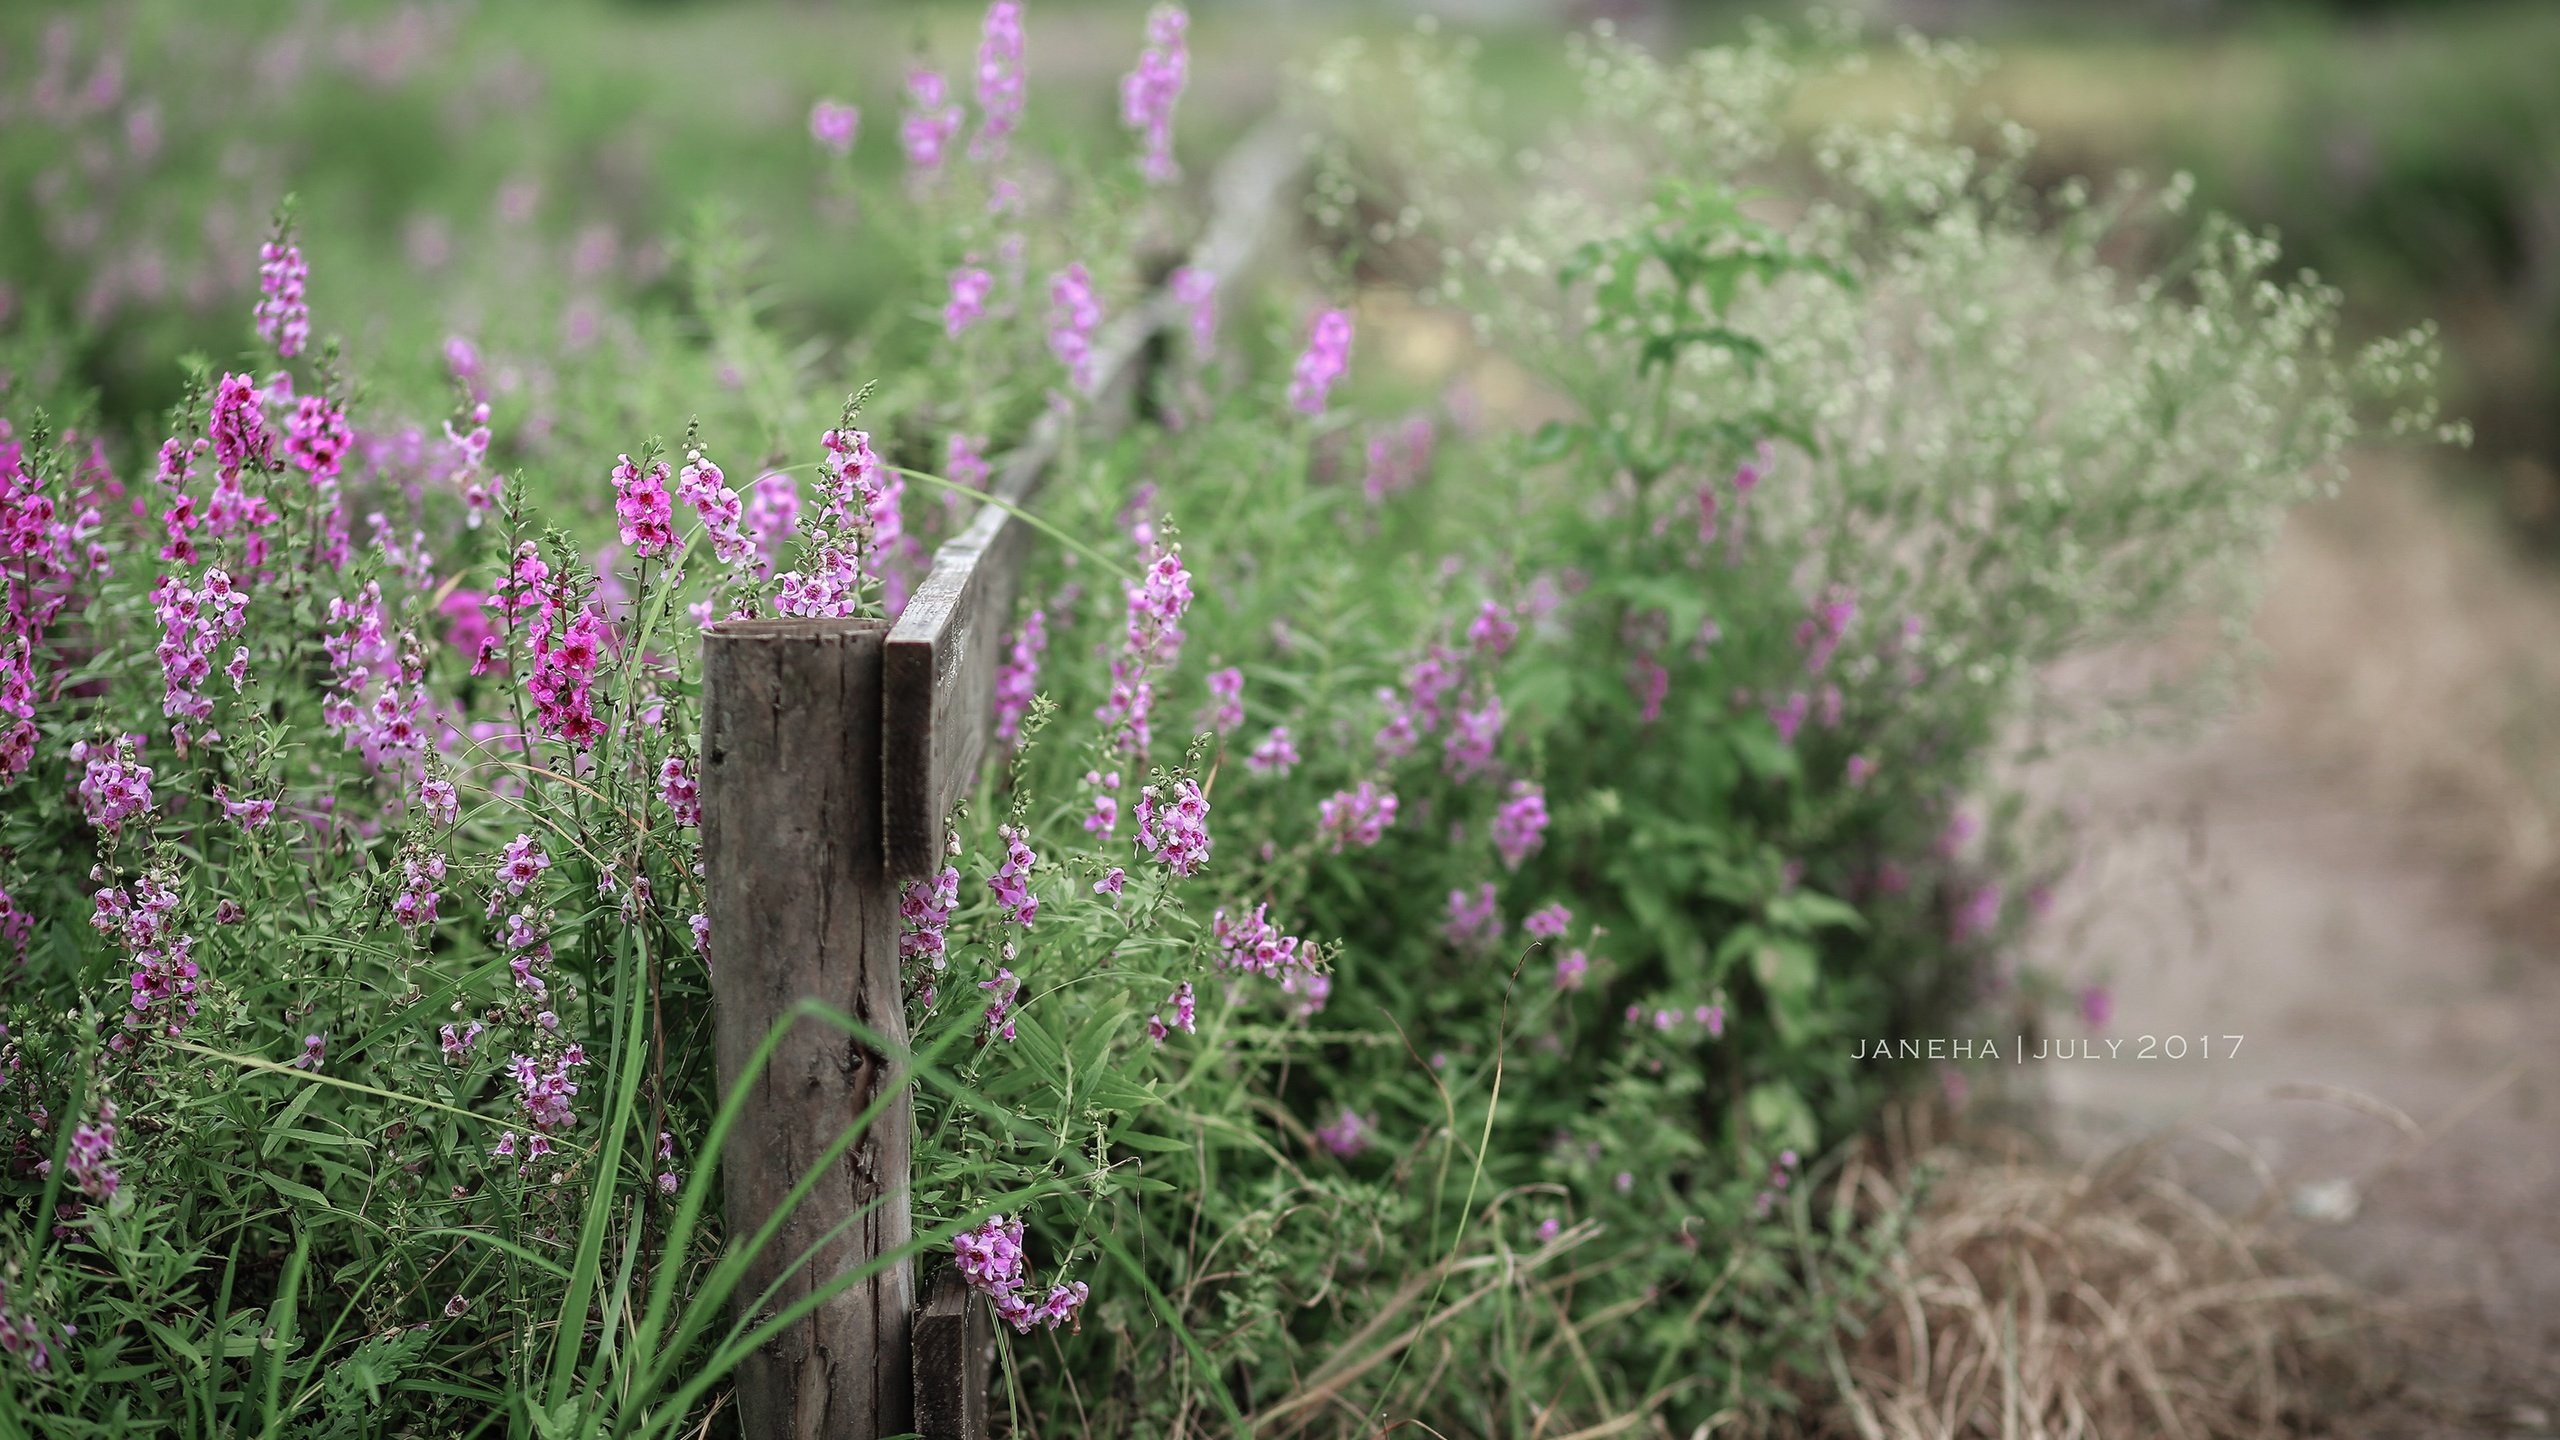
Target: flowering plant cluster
column 1361, row 900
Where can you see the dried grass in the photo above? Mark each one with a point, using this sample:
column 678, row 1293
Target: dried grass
column 2035, row 1301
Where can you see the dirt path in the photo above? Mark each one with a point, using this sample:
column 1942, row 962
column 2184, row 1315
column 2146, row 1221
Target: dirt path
column 2356, row 875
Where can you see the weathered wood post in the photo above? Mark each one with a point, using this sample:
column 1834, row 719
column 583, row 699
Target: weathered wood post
column 801, row 907
column 832, row 751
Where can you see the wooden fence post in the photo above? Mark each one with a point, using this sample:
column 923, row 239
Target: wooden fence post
column 801, row 907
column 832, row 751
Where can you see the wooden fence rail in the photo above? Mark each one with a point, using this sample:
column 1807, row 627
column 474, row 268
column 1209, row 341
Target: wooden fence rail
column 832, row 751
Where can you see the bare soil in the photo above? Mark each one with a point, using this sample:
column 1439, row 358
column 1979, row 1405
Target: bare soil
column 2355, row 872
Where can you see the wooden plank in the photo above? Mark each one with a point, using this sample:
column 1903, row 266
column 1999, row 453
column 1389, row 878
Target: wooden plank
column 955, row 1356
column 800, row 907
column 944, row 651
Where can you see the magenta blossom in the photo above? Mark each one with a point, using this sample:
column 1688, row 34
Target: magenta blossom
column 832, row 124
column 1327, row 355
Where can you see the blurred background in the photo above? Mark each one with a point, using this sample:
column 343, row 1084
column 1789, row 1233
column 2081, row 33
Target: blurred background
column 2354, row 868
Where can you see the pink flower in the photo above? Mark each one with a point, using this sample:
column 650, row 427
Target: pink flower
column 832, row 124
column 1399, row 457
column 1276, row 754
column 115, row 786
column 1474, row 921
column 1148, row 93
column 702, row 485
column 1000, row 80
column 1018, row 676
column 284, row 317
column 1327, row 355
column 1859, row 770
column 1571, row 967
column 680, row 791
column 1252, row 943
column 1548, row 922
column 1492, row 631
column 1651, row 685
column 1819, row 634
column 1473, row 734
column 2097, row 1006
column 1000, row 1014
column 1012, row 880
column 1358, row 817
column 1175, row 833
column 970, row 287
column 1788, row 715
column 1226, row 690
column 1074, row 314
column 925, row 131
column 92, row 1146
column 990, row 1257
column 1347, row 1135
column 1520, row 825
column 1185, row 1015
column 644, row 507
column 924, row 912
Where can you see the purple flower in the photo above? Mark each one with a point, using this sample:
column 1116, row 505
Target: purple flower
column 284, row 317
column 990, row 1257
column 1788, row 715
column 1252, row 943
column 1571, row 967
column 1651, row 684
column 1327, row 355
column 1000, row 79
column 1149, row 92
column 1226, row 688
column 1012, row 880
column 1357, row 817
column 2097, row 1006
column 1311, row 988
column 1492, row 631
column 1473, row 735
column 1275, row 754
column 1185, row 1015
column 1520, row 825
column 1018, row 676
column 1858, row 771
column 970, row 287
column 1474, row 922
column 92, row 1147
column 1111, row 883
column 115, row 785
column 1074, row 314
column 925, row 132
column 1399, row 456
column 832, row 124
column 1005, row 988
column 1347, row 1135
column 1819, row 634
column 1175, row 833
column 315, row 1049
column 1548, row 922
column 644, row 506
column 924, row 909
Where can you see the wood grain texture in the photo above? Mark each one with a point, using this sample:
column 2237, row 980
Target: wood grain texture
column 955, row 1356
column 801, row 908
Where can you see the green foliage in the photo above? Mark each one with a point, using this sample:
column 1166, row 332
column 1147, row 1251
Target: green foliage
column 1706, row 672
